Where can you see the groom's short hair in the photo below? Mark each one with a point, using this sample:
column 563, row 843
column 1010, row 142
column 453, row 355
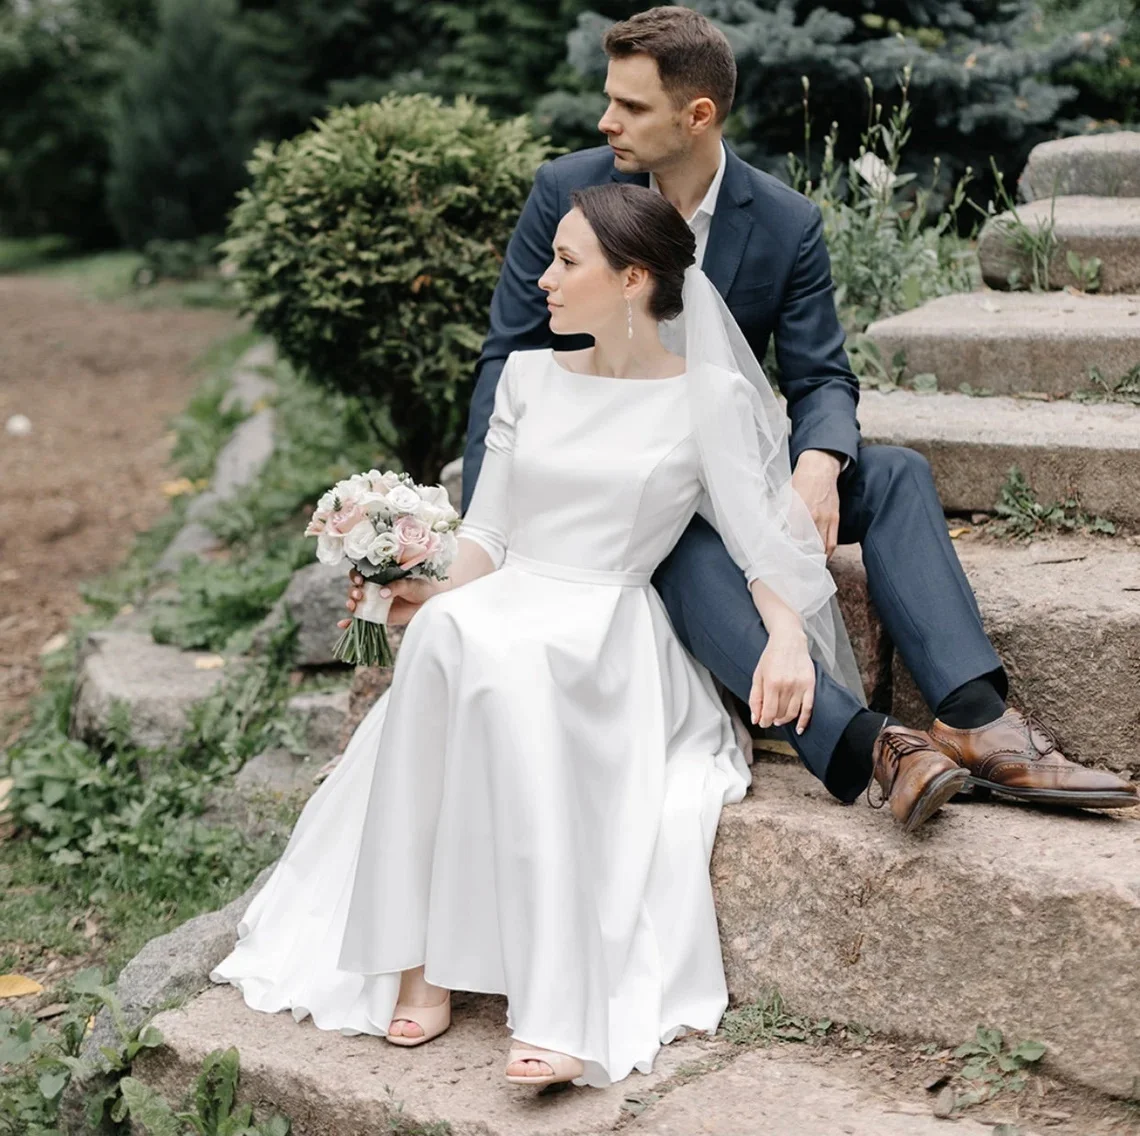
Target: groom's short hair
column 693, row 56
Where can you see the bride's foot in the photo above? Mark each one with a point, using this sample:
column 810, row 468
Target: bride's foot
column 422, row 1011
column 530, row 1065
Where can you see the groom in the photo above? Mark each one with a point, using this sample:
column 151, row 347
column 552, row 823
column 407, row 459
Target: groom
column 670, row 85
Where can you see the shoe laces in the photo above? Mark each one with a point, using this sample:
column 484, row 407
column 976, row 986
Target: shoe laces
column 893, row 747
column 1032, row 724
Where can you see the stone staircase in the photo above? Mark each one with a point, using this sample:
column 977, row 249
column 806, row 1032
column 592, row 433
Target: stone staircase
column 997, row 914
column 1025, row 379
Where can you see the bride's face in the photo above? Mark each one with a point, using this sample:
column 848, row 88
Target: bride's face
column 584, row 294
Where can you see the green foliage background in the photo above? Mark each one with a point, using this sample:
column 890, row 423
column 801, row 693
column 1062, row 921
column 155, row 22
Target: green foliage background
column 112, row 111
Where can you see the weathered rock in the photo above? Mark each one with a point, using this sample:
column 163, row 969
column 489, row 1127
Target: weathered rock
column 1064, row 616
column 869, row 640
column 322, row 716
column 763, row 1091
column 157, row 683
column 240, row 461
column 995, row 914
column 1062, row 447
column 278, row 772
column 1009, row 342
column 330, row 1085
column 1107, row 228
column 174, row 966
column 250, row 384
column 1103, row 165
column 368, row 683
column 314, row 600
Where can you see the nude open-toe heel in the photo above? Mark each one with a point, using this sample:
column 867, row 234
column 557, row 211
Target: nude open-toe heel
column 565, row 1068
column 433, row 1020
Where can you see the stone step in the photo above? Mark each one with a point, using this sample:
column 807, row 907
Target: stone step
column 1062, row 447
column 1064, row 615
column 1107, row 228
column 994, row 914
column 1012, row 342
column 156, row 683
column 1103, row 165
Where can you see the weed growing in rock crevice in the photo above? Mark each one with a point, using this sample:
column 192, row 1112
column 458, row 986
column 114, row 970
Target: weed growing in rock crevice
column 1023, row 516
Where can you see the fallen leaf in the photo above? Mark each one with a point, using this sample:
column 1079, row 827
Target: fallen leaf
column 956, row 533
column 52, row 1011
column 90, row 928
column 17, row 986
column 209, row 662
column 55, row 643
column 177, row 488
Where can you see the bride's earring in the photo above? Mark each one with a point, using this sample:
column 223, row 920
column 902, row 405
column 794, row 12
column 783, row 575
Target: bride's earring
column 629, row 317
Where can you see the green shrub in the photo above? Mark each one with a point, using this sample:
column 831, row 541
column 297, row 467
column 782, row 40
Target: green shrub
column 369, row 247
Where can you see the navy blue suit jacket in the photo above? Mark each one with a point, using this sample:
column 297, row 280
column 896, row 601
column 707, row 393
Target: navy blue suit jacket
column 767, row 259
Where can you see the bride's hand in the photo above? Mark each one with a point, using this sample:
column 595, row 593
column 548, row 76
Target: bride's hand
column 783, row 687
column 407, row 597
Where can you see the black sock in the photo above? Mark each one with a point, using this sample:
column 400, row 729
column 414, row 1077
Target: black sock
column 849, row 770
column 975, row 703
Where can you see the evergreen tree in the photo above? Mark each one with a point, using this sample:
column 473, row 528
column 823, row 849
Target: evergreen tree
column 509, row 53
column 58, row 62
column 301, row 56
column 977, row 88
column 177, row 159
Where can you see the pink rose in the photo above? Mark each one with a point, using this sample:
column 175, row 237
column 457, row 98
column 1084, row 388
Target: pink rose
column 344, row 520
column 417, row 541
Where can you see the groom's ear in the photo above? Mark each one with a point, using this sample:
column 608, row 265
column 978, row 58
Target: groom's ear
column 700, row 115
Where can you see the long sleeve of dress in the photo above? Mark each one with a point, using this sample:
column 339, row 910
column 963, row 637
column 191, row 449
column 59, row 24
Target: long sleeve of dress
column 487, row 519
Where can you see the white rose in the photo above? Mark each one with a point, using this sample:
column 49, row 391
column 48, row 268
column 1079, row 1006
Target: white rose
column 434, row 495
column 358, row 540
column 330, row 549
column 325, row 504
column 384, row 547
column 389, row 480
column 404, row 499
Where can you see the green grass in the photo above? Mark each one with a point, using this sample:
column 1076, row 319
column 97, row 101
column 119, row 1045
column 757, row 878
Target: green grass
column 108, row 277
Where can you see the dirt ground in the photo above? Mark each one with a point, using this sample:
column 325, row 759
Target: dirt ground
column 99, row 383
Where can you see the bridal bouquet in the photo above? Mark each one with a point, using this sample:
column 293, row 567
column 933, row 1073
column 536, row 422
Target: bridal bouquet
column 388, row 528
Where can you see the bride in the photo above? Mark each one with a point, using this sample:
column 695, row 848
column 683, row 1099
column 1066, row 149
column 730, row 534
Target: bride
column 530, row 809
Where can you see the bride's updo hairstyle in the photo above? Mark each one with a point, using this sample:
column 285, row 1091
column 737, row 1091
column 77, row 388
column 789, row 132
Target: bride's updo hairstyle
column 636, row 226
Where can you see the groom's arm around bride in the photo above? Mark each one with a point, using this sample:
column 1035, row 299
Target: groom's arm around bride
column 670, row 84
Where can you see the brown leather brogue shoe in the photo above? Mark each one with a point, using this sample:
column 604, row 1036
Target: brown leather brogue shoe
column 1018, row 757
column 916, row 777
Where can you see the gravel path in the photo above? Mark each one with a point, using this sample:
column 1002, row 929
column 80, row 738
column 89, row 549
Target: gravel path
column 99, row 383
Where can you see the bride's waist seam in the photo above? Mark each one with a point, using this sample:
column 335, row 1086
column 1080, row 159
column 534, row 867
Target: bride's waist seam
column 576, row 574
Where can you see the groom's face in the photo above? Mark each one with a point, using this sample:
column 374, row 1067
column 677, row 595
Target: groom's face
column 642, row 124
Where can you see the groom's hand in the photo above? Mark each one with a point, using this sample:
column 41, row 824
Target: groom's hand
column 816, row 480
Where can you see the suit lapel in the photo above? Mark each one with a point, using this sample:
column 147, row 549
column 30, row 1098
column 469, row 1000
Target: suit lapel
column 731, row 225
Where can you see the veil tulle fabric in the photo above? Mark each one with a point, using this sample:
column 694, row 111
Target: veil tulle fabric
column 760, row 517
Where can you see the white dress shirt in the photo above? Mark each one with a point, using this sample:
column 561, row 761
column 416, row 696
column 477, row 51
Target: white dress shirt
column 701, row 221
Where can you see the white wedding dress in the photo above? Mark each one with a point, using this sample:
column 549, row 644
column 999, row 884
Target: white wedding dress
column 531, row 808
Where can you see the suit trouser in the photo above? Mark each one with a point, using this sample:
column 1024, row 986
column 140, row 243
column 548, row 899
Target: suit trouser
column 889, row 505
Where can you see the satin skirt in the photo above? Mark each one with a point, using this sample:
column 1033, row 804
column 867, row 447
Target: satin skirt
column 530, row 811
